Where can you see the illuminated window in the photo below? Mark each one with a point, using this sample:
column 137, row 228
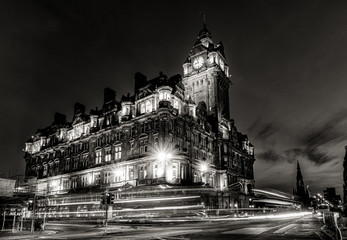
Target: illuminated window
column 176, row 104
column 107, row 177
column 75, row 163
column 74, row 182
column 67, row 164
column 132, row 148
column 174, row 170
column 131, row 173
column 143, row 108
column 161, row 96
column 45, row 167
column 118, row 136
column 117, row 152
column 108, row 155
column 84, row 181
column 97, row 178
column 119, row 175
column 183, row 171
column 155, row 171
column 142, row 172
column 148, row 106
column 66, row 184
column 195, row 177
column 156, row 143
column 145, row 146
column 85, row 161
column 141, row 147
column 98, row 157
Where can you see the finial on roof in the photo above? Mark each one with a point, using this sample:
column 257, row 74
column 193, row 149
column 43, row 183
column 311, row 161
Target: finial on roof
column 203, row 14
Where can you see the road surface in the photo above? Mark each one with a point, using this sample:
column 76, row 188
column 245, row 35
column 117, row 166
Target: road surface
column 304, row 227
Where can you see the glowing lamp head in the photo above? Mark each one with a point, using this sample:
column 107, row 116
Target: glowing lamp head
column 203, row 167
column 161, row 156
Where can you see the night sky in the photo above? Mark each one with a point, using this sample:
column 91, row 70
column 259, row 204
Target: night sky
column 288, row 63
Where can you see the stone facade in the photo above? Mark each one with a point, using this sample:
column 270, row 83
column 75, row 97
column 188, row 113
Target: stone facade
column 173, row 130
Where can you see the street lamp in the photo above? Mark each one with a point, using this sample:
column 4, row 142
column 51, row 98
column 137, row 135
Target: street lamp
column 203, row 167
column 163, row 157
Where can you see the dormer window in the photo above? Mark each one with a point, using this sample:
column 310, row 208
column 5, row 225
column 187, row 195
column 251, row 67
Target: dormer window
column 148, row 106
column 143, row 108
column 126, row 109
column 164, row 96
column 164, row 93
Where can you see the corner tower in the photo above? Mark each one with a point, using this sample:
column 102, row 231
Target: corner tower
column 206, row 75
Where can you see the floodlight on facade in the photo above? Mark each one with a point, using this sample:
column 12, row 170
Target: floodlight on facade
column 203, row 167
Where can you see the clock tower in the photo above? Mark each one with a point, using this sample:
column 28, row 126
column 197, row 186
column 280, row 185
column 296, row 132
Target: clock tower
column 206, row 75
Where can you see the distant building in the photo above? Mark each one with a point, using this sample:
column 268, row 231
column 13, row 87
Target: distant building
column 172, row 139
column 330, row 195
column 300, row 190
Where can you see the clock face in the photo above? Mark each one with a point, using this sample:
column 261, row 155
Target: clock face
column 198, row 62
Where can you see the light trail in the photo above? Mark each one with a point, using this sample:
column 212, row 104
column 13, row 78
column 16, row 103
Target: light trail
column 274, row 201
column 155, row 199
column 270, row 193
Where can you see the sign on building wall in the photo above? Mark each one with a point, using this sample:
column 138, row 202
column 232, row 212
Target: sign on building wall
column 7, row 187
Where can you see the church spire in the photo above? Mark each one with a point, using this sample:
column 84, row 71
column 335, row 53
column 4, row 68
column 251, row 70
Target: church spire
column 300, row 187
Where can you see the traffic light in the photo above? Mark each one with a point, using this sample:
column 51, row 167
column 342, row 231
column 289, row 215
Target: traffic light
column 108, row 198
column 111, row 198
column 31, row 204
column 103, row 199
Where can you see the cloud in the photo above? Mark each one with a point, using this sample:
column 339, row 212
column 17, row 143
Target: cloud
column 262, row 130
column 269, row 156
column 316, row 142
column 266, row 130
